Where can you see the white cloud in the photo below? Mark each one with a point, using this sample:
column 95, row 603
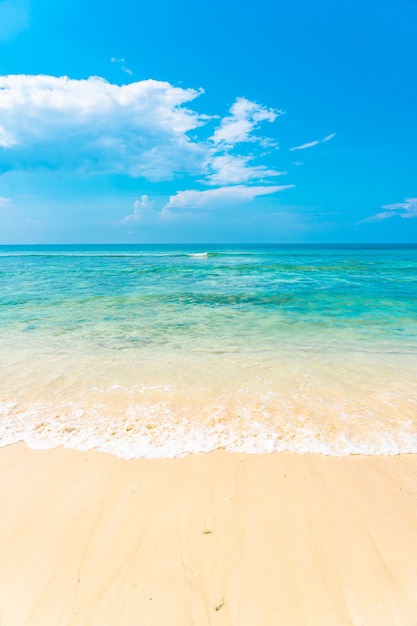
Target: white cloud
column 14, row 18
column 96, row 126
column 303, row 146
column 142, row 129
column 122, row 64
column 4, row 201
column 6, row 139
column 244, row 119
column 406, row 210
column 142, row 209
column 311, row 144
column 221, row 196
column 228, row 169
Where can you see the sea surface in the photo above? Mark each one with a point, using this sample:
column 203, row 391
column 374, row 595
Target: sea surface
column 161, row 351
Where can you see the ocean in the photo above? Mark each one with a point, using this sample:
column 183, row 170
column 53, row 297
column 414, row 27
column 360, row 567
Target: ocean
column 162, row 351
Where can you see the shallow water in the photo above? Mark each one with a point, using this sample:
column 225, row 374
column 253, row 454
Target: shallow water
column 164, row 350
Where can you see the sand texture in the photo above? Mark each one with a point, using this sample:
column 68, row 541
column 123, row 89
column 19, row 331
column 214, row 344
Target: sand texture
column 90, row 540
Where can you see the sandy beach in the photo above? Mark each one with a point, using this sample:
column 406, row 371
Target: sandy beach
column 90, row 540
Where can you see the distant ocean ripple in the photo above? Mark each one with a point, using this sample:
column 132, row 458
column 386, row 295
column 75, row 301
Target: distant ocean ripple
column 161, row 351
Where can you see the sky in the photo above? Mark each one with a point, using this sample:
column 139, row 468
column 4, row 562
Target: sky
column 225, row 122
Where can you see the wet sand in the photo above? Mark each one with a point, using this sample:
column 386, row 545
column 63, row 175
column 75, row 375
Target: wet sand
column 90, row 540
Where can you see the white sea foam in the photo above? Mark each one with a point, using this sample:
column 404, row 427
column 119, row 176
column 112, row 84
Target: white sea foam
column 157, row 431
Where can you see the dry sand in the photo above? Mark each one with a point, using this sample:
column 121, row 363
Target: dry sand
column 89, row 540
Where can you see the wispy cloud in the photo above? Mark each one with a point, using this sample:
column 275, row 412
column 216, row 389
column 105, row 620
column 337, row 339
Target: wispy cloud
column 406, row 210
column 14, row 18
column 229, row 169
column 221, row 196
column 122, row 65
column 311, row 144
column 6, row 138
column 4, row 201
column 142, row 209
column 303, row 146
column 245, row 117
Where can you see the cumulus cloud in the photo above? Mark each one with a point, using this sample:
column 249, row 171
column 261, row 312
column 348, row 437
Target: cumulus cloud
column 96, row 126
column 221, row 196
column 406, row 210
column 14, row 18
column 142, row 210
column 245, row 117
column 311, row 144
column 143, row 129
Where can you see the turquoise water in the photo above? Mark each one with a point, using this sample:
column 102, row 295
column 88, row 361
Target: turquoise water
column 166, row 350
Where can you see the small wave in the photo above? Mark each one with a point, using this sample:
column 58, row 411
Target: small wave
column 198, row 255
column 158, row 431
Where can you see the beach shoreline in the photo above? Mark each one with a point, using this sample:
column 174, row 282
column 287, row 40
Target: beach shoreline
column 216, row 538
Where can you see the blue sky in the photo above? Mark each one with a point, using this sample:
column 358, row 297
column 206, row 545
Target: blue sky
column 208, row 122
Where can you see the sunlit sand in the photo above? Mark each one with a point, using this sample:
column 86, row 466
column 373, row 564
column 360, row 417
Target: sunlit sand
column 220, row 538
